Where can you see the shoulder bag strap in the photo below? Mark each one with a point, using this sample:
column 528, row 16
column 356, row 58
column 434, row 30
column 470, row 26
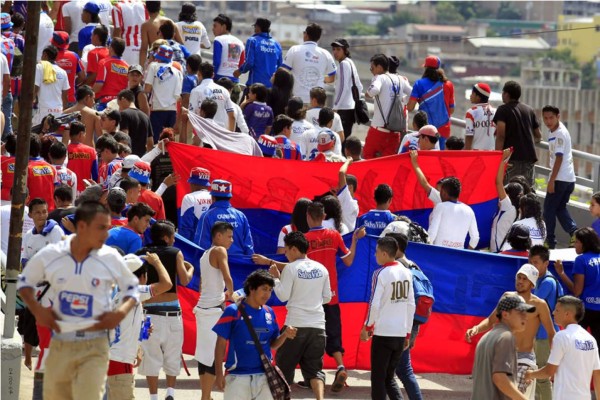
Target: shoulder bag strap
column 242, row 309
column 353, row 80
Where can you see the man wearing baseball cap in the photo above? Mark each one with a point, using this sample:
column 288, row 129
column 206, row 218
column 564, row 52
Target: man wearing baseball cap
column 90, row 16
column 263, row 55
column 426, row 138
column 135, row 76
column 69, row 61
column 480, row 131
column 222, row 210
column 325, row 144
column 195, row 203
column 495, row 367
column 141, row 172
column 524, row 334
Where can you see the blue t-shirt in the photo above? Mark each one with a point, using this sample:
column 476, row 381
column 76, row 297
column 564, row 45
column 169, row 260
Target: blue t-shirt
column 263, row 57
column 258, row 117
column 125, row 239
column 375, row 221
column 242, row 356
column 588, row 265
column 189, row 83
column 550, row 290
column 596, row 226
column 85, row 36
column 430, row 96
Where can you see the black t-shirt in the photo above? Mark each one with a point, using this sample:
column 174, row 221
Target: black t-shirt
column 139, row 128
column 59, row 213
column 161, row 167
column 168, row 257
column 520, row 121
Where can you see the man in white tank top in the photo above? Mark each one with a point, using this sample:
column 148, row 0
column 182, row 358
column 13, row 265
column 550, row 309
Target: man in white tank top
column 215, row 278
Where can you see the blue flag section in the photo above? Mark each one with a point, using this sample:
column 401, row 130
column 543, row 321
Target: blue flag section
column 467, row 285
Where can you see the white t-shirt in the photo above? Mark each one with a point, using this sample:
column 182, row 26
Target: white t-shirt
column 240, row 121
column 50, row 94
column 309, row 64
column 386, row 86
column 535, row 233
column 343, row 85
column 503, row 220
column 450, row 223
column 480, row 125
column 44, row 34
column 392, row 302
column 32, row 243
column 300, row 284
column 166, row 82
column 284, row 231
column 105, row 12
column 232, row 49
column 302, row 133
column 73, row 11
column 5, row 224
column 312, row 115
column 194, row 34
column 559, row 143
column 4, row 70
column 330, row 224
column 208, row 89
column 349, row 208
column 124, row 348
column 575, row 352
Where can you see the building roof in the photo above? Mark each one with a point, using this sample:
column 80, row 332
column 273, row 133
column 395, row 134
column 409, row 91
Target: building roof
column 440, row 28
column 510, row 42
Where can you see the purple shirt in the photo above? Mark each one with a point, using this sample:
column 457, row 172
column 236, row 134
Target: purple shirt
column 258, row 117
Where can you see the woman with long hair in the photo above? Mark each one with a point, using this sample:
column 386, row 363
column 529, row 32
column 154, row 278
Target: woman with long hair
column 530, row 211
column 298, row 223
column 281, row 91
column 193, row 32
column 333, row 213
column 586, row 278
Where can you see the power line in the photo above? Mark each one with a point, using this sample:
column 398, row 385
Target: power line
column 597, row 28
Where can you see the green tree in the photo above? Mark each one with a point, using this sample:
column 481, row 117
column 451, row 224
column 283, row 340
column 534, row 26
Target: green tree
column 360, row 29
column 588, row 75
column 565, row 55
column 398, row 19
column 448, row 14
column 508, row 11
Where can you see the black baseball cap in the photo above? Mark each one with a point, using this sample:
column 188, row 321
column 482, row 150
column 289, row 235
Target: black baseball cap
column 513, row 302
column 343, row 43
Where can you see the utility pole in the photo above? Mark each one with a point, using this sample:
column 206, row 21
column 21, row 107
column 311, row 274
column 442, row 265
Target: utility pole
column 11, row 347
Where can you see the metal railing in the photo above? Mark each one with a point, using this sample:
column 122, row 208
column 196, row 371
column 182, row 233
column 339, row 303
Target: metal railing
column 594, row 160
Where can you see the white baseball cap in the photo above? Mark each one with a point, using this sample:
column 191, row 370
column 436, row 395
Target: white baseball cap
column 133, row 262
column 530, row 272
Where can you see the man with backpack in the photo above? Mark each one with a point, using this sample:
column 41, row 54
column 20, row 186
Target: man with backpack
column 423, row 291
column 389, row 118
column 549, row 290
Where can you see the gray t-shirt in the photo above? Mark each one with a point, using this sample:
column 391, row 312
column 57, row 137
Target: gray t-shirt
column 496, row 352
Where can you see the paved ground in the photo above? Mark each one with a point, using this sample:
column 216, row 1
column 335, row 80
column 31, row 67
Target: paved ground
column 434, row 386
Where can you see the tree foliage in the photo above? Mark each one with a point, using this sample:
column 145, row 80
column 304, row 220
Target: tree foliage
column 361, row 29
column 398, row 19
column 588, row 75
column 448, row 14
column 508, row 11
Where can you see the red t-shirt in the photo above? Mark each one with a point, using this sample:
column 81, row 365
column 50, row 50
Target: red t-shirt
column 82, row 161
column 41, row 178
column 324, row 245
column 94, row 57
column 7, row 165
column 154, row 201
column 71, row 63
column 112, row 72
column 444, row 130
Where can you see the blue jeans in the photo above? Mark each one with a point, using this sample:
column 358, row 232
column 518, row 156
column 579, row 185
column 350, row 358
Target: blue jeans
column 160, row 120
column 555, row 206
column 406, row 375
column 7, row 109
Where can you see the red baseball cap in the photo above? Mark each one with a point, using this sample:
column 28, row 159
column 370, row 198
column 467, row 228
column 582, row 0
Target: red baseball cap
column 483, row 89
column 432, row 62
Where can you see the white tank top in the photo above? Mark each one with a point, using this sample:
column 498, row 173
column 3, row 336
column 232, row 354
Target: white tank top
column 213, row 286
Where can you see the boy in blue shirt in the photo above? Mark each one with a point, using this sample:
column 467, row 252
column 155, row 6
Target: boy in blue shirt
column 245, row 371
column 376, row 220
column 258, row 115
column 550, row 290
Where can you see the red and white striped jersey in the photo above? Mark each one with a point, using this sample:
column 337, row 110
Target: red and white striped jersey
column 129, row 15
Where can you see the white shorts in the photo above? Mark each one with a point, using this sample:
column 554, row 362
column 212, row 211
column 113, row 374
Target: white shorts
column 163, row 348
column 132, row 55
column 247, row 387
column 206, row 339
